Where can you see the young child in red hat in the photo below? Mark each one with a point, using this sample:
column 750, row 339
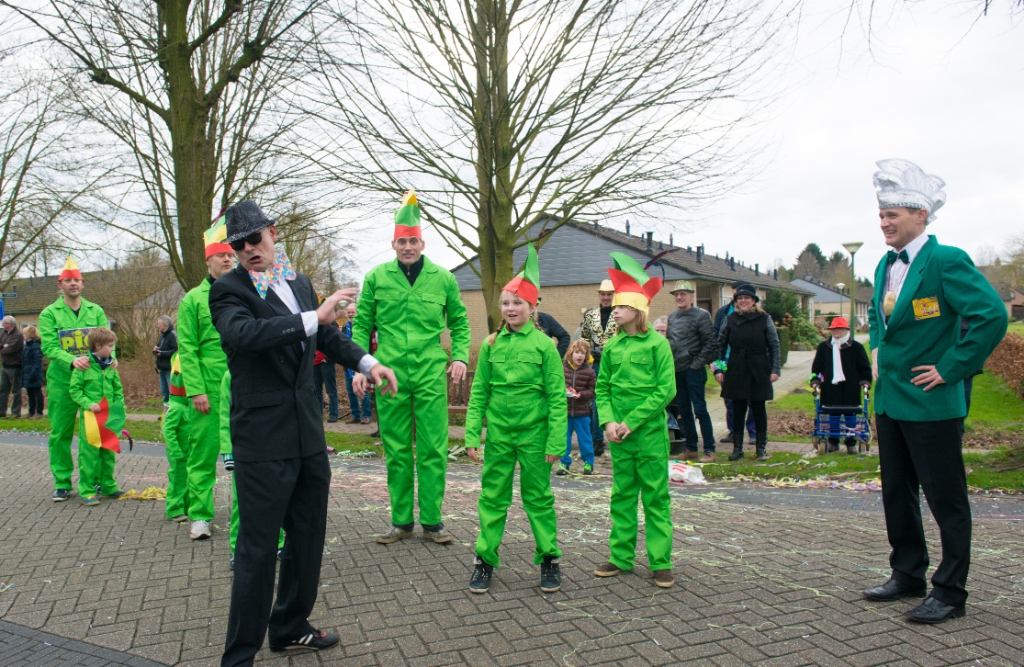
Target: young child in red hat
column 840, row 369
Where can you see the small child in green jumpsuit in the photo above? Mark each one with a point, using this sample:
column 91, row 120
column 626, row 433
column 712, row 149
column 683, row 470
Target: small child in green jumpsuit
column 634, row 386
column 176, row 437
column 520, row 388
column 88, row 389
column 227, row 453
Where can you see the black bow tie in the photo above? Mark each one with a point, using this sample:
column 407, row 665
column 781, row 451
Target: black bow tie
column 891, row 257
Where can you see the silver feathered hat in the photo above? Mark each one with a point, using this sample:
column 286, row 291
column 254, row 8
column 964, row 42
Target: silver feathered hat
column 901, row 183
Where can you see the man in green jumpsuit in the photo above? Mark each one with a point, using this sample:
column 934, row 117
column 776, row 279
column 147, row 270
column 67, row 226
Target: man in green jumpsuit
column 410, row 302
column 68, row 313
column 176, row 437
column 203, row 364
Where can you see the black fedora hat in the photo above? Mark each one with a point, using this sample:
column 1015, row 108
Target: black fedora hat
column 243, row 219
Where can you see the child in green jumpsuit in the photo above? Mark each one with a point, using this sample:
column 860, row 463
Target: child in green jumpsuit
column 88, row 389
column 634, row 386
column 227, row 453
column 520, row 388
column 176, row 437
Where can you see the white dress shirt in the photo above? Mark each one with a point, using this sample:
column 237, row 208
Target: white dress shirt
column 898, row 270
column 310, row 321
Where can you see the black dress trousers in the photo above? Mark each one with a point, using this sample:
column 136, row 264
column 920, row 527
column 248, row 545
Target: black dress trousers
column 926, row 456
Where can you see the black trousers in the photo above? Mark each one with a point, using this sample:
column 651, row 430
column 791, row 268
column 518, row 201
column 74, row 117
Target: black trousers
column 926, row 455
column 739, row 418
column 271, row 494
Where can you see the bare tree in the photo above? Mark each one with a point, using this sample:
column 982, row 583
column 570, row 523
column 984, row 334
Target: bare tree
column 193, row 92
column 315, row 250
column 506, row 113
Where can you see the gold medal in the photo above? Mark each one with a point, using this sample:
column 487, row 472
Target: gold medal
column 889, row 303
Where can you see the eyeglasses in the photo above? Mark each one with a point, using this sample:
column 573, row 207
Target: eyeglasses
column 252, row 239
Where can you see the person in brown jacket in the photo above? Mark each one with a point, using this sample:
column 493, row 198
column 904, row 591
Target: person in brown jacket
column 580, row 381
column 11, row 345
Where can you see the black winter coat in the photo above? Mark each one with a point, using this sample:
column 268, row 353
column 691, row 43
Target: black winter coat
column 856, row 370
column 32, row 365
column 168, row 345
column 752, row 345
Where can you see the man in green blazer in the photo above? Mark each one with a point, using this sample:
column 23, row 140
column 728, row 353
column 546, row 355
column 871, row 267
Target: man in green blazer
column 923, row 291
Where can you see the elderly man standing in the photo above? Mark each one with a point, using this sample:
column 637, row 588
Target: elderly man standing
column 411, row 301
column 64, row 343
column 922, row 292
column 11, row 345
column 203, row 364
column 271, row 328
column 598, row 327
column 691, row 333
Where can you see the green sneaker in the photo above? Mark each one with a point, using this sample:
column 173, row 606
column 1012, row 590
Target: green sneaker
column 90, row 501
column 588, row 469
column 562, row 469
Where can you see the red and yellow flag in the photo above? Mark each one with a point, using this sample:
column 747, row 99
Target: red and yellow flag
column 102, row 428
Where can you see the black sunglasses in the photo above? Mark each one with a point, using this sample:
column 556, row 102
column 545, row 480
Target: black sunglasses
column 252, row 239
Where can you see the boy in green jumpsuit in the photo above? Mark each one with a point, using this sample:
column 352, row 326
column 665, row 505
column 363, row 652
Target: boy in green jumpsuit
column 203, row 364
column 411, row 302
column 88, row 388
column 520, row 388
column 176, row 437
column 635, row 385
column 68, row 313
column 227, row 453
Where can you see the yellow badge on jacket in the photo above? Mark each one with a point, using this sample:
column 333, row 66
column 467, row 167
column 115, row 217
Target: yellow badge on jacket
column 926, row 308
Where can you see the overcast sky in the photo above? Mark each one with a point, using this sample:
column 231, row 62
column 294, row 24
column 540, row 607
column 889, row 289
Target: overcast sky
column 934, row 89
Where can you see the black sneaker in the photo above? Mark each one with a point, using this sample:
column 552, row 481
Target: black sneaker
column 317, row 640
column 60, row 495
column 481, row 580
column 550, row 575
column 231, row 563
column 116, row 495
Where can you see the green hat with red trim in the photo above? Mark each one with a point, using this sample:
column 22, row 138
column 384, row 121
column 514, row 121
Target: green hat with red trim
column 213, row 238
column 70, row 269
column 633, row 287
column 527, row 284
column 407, row 218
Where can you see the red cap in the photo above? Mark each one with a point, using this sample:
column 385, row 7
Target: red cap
column 839, row 323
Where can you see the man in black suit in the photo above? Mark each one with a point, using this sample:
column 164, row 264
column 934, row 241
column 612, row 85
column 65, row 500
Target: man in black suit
column 271, row 328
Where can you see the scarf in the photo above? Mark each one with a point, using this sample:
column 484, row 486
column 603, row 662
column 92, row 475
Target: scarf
column 837, row 361
column 282, row 270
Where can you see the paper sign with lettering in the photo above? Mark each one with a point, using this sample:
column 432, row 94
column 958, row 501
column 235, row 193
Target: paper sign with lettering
column 74, row 341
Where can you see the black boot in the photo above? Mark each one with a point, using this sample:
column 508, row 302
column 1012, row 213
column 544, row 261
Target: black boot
column 480, row 582
column 550, row 575
column 762, row 446
column 737, row 446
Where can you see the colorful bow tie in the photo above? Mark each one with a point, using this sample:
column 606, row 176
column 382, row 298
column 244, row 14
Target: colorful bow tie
column 891, row 256
column 282, row 270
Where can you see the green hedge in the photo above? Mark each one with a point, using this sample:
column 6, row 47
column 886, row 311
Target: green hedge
column 784, row 342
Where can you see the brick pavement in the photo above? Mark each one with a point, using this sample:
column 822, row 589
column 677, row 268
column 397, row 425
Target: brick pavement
column 766, row 577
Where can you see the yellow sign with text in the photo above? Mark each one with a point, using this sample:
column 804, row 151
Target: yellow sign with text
column 926, row 308
column 74, row 341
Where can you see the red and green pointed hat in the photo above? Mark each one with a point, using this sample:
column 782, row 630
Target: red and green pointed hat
column 633, row 287
column 70, row 269
column 213, row 238
column 527, row 284
column 407, row 218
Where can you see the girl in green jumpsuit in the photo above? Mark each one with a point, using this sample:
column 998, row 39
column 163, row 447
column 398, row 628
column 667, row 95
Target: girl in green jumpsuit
column 520, row 388
column 634, row 386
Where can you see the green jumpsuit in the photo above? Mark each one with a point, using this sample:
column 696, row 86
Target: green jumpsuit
column 520, row 388
column 95, row 464
column 635, row 385
column 226, row 450
column 203, row 364
column 60, row 408
column 176, row 436
column 410, row 320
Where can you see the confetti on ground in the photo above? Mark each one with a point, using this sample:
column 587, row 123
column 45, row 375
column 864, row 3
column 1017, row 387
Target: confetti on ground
column 5, row 587
column 846, row 482
column 148, row 493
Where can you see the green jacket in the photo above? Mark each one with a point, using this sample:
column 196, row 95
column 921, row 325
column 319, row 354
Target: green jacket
column 203, row 362
column 636, row 381
column 92, row 385
column 941, row 287
column 410, row 318
column 58, row 317
column 519, row 385
column 225, row 414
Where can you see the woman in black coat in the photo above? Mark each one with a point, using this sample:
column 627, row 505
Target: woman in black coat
column 748, row 346
column 855, row 372
column 164, row 350
column 32, row 372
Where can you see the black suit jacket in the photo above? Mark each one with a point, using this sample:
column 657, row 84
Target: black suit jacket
column 273, row 405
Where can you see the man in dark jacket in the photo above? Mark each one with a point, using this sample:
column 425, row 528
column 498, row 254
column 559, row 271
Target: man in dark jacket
column 720, row 316
column 163, row 351
column 270, row 328
column 692, row 337
column 552, row 329
column 11, row 345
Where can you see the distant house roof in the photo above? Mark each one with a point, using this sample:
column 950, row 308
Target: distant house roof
column 825, row 293
column 577, row 254
column 122, row 288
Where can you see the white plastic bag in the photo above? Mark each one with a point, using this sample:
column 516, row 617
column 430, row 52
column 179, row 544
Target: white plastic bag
column 687, row 474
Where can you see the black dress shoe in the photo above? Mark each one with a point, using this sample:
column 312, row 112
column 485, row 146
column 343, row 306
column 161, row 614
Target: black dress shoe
column 933, row 611
column 894, row 590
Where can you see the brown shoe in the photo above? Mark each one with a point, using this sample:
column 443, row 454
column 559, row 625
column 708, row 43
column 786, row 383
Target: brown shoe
column 393, row 535
column 664, row 578
column 690, row 456
column 365, row 420
column 351, row 420
column 608, row 570
column 440, row 536
column 707, row 458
